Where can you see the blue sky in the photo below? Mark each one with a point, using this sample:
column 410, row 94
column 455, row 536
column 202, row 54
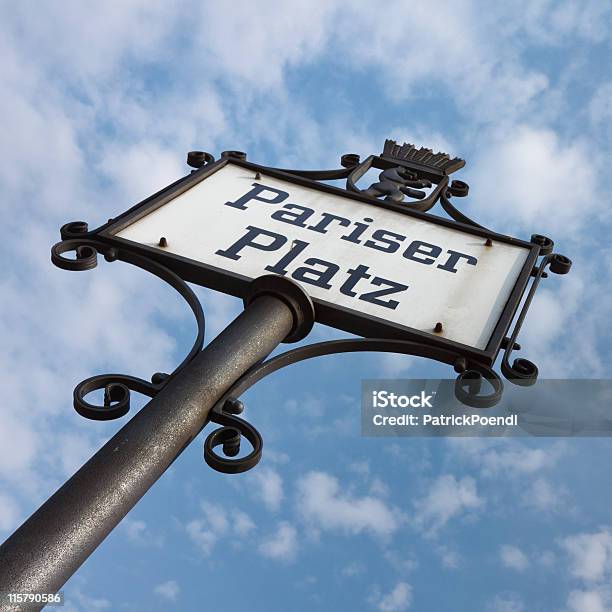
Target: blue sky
column 99, row 104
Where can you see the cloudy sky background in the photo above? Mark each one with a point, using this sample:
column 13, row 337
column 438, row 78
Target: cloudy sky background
column 99, row 102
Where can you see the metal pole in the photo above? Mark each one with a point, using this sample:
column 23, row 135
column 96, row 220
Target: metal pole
column 51, row 545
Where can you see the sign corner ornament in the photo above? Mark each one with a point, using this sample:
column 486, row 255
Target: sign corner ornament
column 374, row 261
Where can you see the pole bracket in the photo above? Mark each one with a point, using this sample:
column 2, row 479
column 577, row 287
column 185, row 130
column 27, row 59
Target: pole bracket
column 293, row 295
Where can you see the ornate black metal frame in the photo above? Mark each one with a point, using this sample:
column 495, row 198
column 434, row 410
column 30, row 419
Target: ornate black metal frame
column 405, row 171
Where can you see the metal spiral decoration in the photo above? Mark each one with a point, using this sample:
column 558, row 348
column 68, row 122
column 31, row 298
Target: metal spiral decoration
column 468, row 386
column 522, row 371
column 117, row 387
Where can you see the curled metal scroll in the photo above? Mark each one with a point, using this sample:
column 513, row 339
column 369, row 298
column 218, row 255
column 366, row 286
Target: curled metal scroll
column 229, row 436
column 117, row 387
column 453, row 212
column 467, row 389
column 522, row 371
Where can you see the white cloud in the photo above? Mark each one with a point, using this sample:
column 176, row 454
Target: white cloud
column 508, row 458
column 277, row 457
column 202, row 536
column 600, row 107
column 134, row 528
column 255, row 43
column 447, row 497
column 535, row 180
column 361, row 468
column 168, row 590
column 282, row 544
column 509, row 602
column 397, row 600
column 353, row 569
column 376, row 486
column 590, row 555
column 76, row 448
column 450, row 558
column 307, row 582
column 308, row 406
column 593, row 600
column 268, row 487
column 9, row 513
column 544, row 496
column 321, row 502
column 123, row 166
column 513, row 557
column 216, row 523
column 379, row 488
column 556, row 23
column 138, row 533
column 107, row 31
column 215, row 515
column 547, row 559
column 19, row 444
column 528, row 469
column 398, row 560
column 549, row 313
column 242, row 522
column 391, row 365
column 88, row 602
column 458, row 54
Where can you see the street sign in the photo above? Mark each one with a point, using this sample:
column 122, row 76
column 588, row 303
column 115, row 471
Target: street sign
column 297, row 250
column 373, row 268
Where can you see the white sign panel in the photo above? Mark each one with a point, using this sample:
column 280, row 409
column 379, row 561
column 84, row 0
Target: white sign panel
column 371, row 260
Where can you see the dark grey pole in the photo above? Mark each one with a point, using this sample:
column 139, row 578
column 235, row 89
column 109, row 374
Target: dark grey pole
column 51, row 545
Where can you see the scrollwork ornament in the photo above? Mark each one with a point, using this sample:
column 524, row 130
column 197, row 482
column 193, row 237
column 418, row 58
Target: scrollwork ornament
column 117, row 387
column 522, row 371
